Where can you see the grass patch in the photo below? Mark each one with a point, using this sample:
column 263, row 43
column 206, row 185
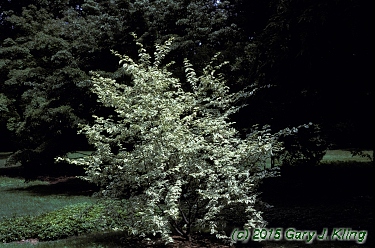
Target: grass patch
column 102, row 240
column 37, row 210
column 2, row 160
column 4, row 155
column 344, row 156
column 79, row 154
column 111, row 239
column 21, row 199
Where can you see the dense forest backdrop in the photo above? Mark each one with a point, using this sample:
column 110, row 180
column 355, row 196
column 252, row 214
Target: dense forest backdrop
column 311, row 61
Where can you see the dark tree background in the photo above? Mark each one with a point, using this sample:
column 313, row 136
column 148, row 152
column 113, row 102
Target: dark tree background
column 312, row 60
column 318, row 56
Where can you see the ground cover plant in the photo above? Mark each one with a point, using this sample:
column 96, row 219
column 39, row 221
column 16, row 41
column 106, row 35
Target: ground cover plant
column 29, row 210
column 42, row 210
column 71, row 220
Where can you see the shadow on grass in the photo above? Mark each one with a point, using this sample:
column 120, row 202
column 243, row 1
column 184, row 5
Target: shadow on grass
column 63, row 186
column 58, row 185
column 326, row 182
column 11, row 171
column 121, row 239
column 110, row 239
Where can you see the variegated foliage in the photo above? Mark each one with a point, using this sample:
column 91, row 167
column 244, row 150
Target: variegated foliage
column 187, row 163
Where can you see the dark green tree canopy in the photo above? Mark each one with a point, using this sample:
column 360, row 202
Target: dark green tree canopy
column 311, row 60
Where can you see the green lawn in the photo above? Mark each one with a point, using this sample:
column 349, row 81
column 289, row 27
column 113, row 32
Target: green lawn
column 95, row 240
column 34, row 198
column 3, row 156
column 344, row 156
column 37, row 197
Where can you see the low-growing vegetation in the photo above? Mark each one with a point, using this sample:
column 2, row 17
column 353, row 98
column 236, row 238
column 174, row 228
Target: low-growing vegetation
column 69, row 221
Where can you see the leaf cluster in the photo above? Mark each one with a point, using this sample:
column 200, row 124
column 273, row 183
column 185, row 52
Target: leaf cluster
column 69, row 221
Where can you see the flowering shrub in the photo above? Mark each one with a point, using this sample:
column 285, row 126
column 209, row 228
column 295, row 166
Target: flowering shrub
column 173, row 153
